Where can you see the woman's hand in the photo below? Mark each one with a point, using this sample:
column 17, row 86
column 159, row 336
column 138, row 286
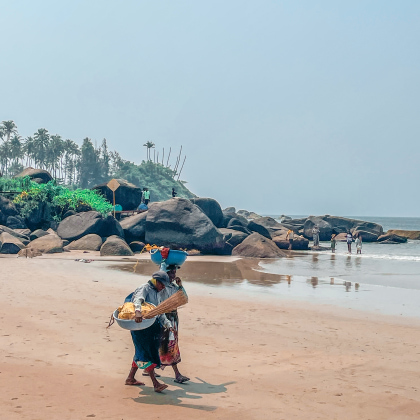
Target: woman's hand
column 138, row 317
column 178, row 281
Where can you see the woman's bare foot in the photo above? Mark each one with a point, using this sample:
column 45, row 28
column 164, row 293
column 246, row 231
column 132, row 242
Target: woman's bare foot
column 133, row 382
column 160, row 387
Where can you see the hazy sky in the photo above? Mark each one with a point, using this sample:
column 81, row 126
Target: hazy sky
column 294, row 107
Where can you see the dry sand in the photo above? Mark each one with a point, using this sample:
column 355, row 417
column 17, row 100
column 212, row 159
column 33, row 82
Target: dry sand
column 247, row 359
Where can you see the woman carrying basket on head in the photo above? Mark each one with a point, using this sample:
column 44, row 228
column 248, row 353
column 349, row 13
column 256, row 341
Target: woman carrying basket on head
column 147, row 341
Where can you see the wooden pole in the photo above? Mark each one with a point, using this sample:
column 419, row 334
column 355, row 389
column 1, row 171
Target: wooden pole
column 167, row 163
column 113, row 196
column 181, row 168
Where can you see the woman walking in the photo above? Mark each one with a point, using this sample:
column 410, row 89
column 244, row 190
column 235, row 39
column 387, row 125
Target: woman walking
column 358, row 243
column 349, row 239
column 147, row 341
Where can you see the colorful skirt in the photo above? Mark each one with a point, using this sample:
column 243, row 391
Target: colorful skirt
column 169, row 349
column 146, row 344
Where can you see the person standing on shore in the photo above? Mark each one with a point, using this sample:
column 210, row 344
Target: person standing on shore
column 333, row 243
column 315, row 235
column 358, row 243
column 174, row 193
column 349, row 238
column 290, row 235
column 169, row 348
column 147, row 341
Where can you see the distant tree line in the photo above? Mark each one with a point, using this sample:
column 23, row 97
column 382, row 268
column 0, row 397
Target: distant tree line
column 80, row 166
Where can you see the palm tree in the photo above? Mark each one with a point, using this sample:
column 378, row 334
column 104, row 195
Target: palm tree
column 72, row 152
column 41, row 141
column 4, row 156
column 55, row 153
column 29, row 149
column 149, row 145
column 8, row 128
column 16, row 151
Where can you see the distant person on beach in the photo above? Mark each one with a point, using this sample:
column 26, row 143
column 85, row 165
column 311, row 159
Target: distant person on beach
column 315, row 235
column 147, row 341
column 290, row 235
column 358, row 243
column 349, row 238
column 333, row 243
column 146, row 196
column 174, row 193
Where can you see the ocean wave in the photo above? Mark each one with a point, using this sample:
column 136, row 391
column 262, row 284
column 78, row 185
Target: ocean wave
column 383, row 256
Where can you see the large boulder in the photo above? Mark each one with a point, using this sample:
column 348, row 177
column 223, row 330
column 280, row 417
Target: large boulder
column 233, row 237
column 48, row 244
column 115, row 246
column 325, row 229
column 409, row 234
column 366, row 235
column 257, row 246
column 38, row 175
column 299, row 242
column 211, row 208
column 15, row 222
column 7, row 208
column 14, row 233
column 134, row 227
column 39, row 216
column 10, row 244
column 127, row 194
column 255, row 226
column 250, row 215
column 82, row 224
column 37, row 234
column 273, row 226
column 392, row 237
column 137, row 246
column 181, row 224
column 90, row 242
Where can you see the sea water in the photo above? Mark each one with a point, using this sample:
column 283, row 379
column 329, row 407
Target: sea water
column 384, row 278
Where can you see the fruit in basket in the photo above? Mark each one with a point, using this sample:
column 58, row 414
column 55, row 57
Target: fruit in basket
column 127, row 311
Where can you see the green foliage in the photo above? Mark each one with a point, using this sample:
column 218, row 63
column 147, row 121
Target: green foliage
column 19, row 184
column 59, row 199
column 157, row 178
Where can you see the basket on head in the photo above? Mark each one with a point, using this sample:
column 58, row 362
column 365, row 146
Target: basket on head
column 174, row 302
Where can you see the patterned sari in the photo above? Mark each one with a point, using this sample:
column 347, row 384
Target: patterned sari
column 169, row 350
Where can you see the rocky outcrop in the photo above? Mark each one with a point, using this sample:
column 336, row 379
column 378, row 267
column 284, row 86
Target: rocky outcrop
column 10, row 244
column 37, row 175
column 15, row 222
column 90, row 242
column 233, row 237
column 255, row 226
column 38, row 234
column 272, row 226
column 48, row 244
column 14, row 233
column 181, row 224
column 137, row 246
column 115, row 246
column 409, row 234
column 39, row 216
column 7, row 209
column 392, row 237
column 257, row 246
column 250, row 215
column 366, row 235
column 127, row 194
column 134, row 227
column 82, row 224
column 299, row 242
column 211, row 208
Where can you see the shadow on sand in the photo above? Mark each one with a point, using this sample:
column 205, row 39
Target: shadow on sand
column 189, row 390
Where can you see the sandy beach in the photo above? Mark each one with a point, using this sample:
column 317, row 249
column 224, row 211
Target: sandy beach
column 247, row 358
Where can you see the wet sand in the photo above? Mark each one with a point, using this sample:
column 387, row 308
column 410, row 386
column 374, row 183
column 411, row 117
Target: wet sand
column 248, row 358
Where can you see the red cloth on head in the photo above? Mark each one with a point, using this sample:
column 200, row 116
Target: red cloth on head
column 165, row 252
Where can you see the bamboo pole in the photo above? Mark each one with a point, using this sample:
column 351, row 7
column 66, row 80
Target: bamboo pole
column 167, row 162
column 185, row 157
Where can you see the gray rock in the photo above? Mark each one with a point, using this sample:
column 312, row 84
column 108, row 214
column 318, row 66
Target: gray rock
column 25, row 232
column 211, row 208
column 233, row 237
column 48, row 244
column 37, row 175
column 127, row 195
column 299, row 242
column 255, row 226
column 392, row 237
column 10, row 244
column 115, row 246
column 12, row 232
column 15, row 222
column 137, row 246
column 134, row 227
column 68, row 213
column 180, row 223
column 38, row 234
column 90, row 242
column 7, row 208
column 409, row 234
column 82, row 224
column 366, row 236
column 258, row 246
column 229, row 210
